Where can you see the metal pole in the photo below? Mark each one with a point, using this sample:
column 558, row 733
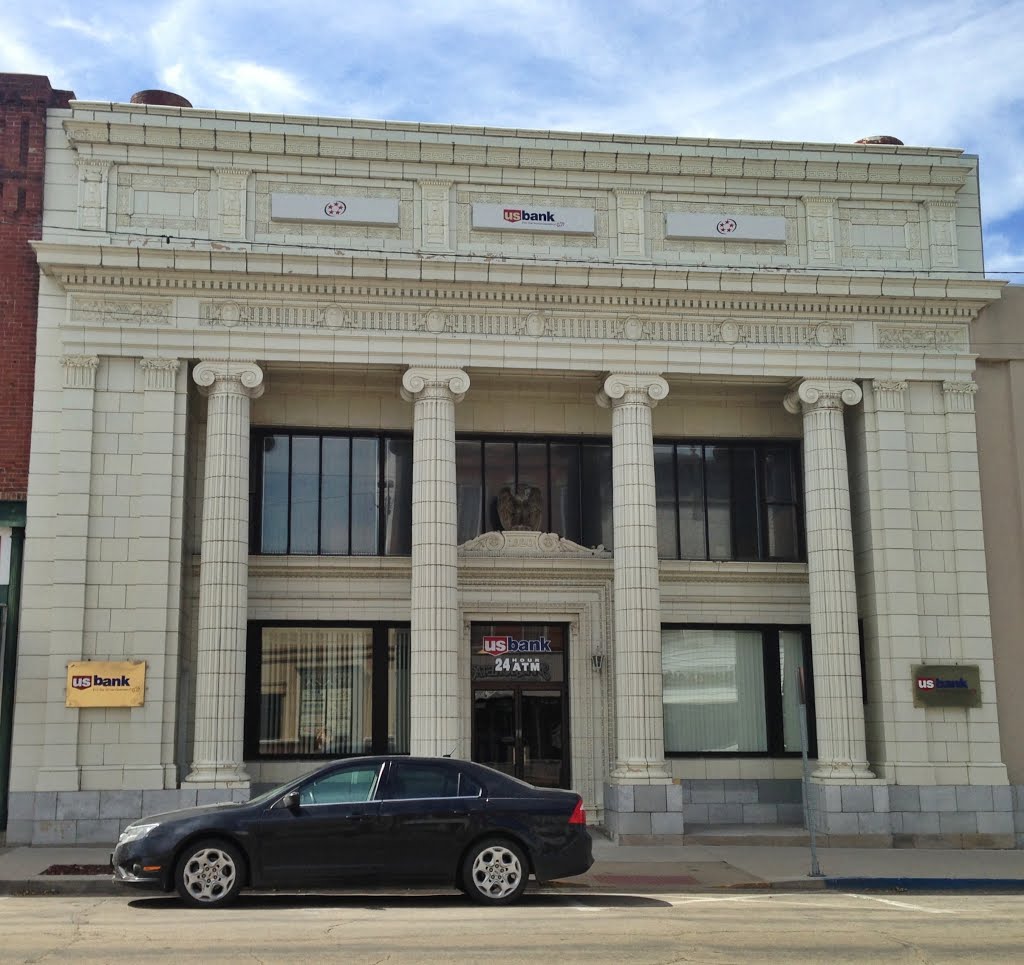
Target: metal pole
column 806, row 782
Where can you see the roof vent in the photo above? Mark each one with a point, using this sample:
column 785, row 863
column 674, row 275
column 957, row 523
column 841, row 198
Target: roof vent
column 161, row 98
column 879, row 139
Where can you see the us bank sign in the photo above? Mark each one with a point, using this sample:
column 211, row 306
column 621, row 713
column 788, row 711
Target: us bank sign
column 104, row 683
column 527, row 217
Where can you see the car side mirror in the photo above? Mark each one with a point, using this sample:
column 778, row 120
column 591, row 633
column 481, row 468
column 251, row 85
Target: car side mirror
column 291, row 801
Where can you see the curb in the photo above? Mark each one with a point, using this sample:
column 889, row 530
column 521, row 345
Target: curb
column 926, row 884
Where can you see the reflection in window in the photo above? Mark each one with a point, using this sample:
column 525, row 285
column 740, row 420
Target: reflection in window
column 314, row 690
column 332, row 495
column 727, row 502
column 574, row 479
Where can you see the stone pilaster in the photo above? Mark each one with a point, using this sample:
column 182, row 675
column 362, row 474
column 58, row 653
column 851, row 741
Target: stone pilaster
column 231, row 201
column 224, row 574
column 640, row 736
column 436, row 719
column 60, row 770
column 629, row 212
column 93, row 185
column 842, row 753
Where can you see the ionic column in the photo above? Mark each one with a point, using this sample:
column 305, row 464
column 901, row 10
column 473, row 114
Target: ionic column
column 640, row 729
column 839, row 707
column 436, row 719
column 217, row 756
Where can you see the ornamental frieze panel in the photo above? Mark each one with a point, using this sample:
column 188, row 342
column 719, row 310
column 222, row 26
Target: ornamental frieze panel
column 109, row 310
column 783, row 251
column 162, row 202
column 909, row 338
column 631, row 327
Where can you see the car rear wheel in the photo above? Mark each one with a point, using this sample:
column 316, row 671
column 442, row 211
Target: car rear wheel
column 495, row 872
column 210, row 873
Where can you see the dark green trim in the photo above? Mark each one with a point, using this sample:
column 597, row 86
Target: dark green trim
column 12, row 513
column 9, row 663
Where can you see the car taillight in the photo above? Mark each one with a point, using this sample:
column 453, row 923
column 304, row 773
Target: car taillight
column 578, row 816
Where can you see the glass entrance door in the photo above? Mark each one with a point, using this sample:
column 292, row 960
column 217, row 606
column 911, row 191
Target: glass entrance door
column 520, row 732
column 520, row 705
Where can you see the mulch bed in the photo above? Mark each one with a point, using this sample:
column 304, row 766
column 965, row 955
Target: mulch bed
column 77, row 869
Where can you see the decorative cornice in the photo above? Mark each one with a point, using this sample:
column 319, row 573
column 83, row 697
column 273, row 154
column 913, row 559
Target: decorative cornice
column 450, row 146
column 421, row 383
column 822, row 394
column 632, row 389
column 229, row 375
column 80, row 371
column 524, row 545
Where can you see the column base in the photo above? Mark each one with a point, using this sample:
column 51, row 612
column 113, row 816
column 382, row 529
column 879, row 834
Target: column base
column 217, row 775
column 640, row 772
column 843, row 772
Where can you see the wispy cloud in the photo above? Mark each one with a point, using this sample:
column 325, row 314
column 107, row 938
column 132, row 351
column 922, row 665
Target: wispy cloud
column 936, row 72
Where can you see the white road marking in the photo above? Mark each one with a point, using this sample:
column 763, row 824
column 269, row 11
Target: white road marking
column 902, row 904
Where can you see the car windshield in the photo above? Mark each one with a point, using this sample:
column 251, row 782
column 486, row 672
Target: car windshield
column 267, row 796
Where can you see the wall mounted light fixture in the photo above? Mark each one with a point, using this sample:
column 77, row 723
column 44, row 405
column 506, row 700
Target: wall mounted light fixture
column 597, row 661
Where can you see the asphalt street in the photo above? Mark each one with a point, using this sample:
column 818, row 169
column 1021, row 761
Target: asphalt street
column 553, row 926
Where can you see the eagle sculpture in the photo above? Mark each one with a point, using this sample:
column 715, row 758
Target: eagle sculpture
column 520, row 507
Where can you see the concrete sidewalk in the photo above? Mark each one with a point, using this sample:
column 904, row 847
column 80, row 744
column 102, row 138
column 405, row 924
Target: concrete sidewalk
column 619, row 868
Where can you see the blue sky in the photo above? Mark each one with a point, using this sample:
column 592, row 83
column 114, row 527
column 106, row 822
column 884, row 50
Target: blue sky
column 931, row 72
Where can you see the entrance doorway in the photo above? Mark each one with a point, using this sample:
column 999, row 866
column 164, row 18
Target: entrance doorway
column 520, row 705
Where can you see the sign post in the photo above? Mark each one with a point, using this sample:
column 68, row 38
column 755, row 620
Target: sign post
column 815, row 867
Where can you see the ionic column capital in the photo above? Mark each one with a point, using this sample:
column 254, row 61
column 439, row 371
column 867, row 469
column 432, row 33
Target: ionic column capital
column 822, row 394
column 959, row 396
column 229, row 376
column 632, row 389
column 421, row 383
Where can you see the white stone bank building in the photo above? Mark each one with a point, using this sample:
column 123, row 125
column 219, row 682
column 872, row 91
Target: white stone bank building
column 569, row 453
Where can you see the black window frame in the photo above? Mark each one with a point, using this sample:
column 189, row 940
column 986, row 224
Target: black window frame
column 761, row 501
column 515, row 440
column 259, row 434
column 378, row 691
column 774, row 732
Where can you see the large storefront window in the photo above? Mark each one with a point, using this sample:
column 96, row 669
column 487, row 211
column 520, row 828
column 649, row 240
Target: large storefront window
column 727, row 501
column 562, row 487
column 735, row 690
column 331, row 495
column 326, row 691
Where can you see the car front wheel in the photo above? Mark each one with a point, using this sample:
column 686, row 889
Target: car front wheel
column 495, row 872
column 209, row 874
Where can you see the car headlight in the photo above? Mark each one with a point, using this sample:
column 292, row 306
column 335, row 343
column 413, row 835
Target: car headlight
column 135, row 831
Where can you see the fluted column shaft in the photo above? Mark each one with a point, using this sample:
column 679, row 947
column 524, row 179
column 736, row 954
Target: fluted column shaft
column 436, row 719
column 839, row 706
column 217, row 757
column 639, row 715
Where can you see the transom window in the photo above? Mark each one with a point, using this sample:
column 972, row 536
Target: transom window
column 735, row 501
column 735, row 690
column 331, row 495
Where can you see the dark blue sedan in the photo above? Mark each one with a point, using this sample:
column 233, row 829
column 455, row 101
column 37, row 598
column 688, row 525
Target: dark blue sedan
column 369, row 820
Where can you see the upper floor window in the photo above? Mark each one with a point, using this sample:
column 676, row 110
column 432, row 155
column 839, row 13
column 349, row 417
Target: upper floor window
column 331, row 494
column 553, row 486
column 735, row 501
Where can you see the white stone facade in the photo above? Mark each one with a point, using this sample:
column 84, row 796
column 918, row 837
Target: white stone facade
column 176, row 315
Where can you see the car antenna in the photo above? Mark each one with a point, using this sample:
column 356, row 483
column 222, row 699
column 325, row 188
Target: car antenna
column 449, row 754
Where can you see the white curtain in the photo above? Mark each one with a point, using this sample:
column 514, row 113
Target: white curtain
column 713, row 687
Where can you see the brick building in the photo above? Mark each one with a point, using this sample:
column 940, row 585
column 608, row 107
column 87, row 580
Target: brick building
column 570, row 453
column 24, row 101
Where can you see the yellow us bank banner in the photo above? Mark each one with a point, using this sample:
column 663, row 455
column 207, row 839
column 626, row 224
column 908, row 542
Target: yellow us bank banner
column 99, row 683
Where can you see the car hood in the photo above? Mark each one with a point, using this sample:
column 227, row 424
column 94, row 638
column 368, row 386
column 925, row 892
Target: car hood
column 185, row 814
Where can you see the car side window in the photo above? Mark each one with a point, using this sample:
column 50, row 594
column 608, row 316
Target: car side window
column 468, row 787
column 412, row 781
column 347, row 786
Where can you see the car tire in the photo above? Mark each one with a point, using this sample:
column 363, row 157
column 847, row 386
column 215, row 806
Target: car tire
column 495, row 872
column 209, row 873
